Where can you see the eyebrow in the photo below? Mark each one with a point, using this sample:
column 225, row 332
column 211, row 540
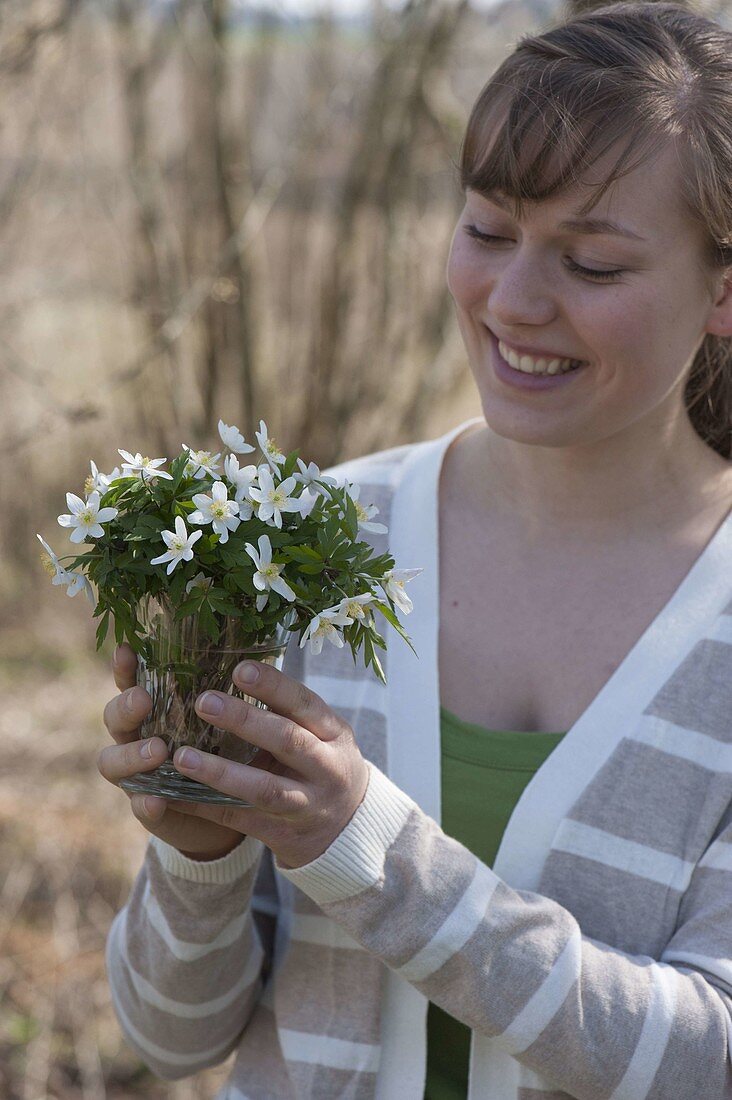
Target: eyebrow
column 579, row 225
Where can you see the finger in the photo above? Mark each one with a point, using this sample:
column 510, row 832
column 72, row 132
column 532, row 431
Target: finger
column 289, row 698
column 275, row 794
column 288, row 742
column 116, row 762
column 124, row 666
column 190, row 834
column 148, row 808
column 124, row 713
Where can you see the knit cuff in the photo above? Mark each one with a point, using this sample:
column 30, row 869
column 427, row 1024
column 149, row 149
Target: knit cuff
column 227, row 869
column 355, row 859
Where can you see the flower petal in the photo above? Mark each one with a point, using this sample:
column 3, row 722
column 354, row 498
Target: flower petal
column 104, row 515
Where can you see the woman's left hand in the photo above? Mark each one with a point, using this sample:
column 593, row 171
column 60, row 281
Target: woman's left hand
column 320, row 779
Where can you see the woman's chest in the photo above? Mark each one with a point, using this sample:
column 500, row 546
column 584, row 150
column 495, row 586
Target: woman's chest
column 528, row 638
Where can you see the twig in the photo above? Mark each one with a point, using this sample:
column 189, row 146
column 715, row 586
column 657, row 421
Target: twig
column 170, row 330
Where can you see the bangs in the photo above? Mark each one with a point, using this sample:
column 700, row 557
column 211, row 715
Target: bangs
column 539, row 134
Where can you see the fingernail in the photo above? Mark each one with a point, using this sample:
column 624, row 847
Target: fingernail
column 210, row 703
column 188, row 758
column 148, row 806
column 147, row 749
column 115, row 655
column 247, row 672
column 129, row 699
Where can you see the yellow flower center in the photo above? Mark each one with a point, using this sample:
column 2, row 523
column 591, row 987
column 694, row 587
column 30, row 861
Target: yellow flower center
column 89, row 485
column 48, row 565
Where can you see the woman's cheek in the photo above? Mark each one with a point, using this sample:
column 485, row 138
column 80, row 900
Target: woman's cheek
column 462, row 273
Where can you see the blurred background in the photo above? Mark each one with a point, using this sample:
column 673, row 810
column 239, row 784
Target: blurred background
column 208, row 208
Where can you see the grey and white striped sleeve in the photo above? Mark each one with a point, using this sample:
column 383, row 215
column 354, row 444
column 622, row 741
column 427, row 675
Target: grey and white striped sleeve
column 188, row 954
column 514, row 965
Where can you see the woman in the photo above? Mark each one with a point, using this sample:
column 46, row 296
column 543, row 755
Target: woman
column 566, row 931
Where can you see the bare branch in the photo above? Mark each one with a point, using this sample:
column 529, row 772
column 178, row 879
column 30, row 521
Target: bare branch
column 20, row 44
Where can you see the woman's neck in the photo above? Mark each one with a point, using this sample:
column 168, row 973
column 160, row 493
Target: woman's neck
column 615, row 488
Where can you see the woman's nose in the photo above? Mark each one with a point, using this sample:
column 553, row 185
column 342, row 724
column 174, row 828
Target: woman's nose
column 521, row 293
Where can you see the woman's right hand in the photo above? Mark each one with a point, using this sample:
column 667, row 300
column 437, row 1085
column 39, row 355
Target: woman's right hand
column 194, row 836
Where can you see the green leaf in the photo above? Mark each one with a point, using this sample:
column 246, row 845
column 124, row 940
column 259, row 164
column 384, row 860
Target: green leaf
column 391, row 617
column 377, row 668
column 323, row 540
column 224, row 605
column 242, row 580
column 177, row 468
column 307, row 554
column 102, row 628
column 288, row 466
column 372, row 659
column 351, row 518
column 189, row 606
column 208, row 622
column 177, row 586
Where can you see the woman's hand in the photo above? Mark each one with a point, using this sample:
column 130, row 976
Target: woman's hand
column 320, row 779
column 197, row 839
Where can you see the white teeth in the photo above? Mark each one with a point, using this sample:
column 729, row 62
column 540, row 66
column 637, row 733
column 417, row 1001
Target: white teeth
column 536, row 366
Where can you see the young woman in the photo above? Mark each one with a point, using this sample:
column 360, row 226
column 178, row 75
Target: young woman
column 508, row 874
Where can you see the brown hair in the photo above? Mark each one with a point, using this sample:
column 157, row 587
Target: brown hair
column 655, row 71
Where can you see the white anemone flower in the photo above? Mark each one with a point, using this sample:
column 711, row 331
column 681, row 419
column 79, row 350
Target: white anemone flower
column 86, row 517
column 323, row 626
column 307, row 501
column 201, row 463
column 242, row 479
column 217, row 509
column 355, row 607
column 273, row 499
column 271, row 451
column 144, row 468
column 310, row 474
column 232, row 438
column 99, row 481
column 394, row 581
column 179, row 543
column 267, row 575
column 199, row 581
column 74, row 581
column 365, row 514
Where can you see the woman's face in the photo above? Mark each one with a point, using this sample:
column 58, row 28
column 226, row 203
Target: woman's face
column 638, row 330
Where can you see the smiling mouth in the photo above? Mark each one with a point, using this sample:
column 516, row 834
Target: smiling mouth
column 539, row 365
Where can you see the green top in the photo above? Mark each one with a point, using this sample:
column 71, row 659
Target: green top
column 483, row 774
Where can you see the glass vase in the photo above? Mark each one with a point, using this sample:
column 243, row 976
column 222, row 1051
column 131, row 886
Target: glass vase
column 178, row 664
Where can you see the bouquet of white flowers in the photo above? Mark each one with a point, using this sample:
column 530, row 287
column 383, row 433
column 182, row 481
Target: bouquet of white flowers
column 211, row 559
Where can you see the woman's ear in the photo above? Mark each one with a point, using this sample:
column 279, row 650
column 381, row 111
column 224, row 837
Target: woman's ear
column 719, row 321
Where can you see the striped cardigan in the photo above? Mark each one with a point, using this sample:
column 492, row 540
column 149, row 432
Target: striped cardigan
column 593, row 961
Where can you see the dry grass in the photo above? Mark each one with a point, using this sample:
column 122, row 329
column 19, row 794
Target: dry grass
column 69, row 849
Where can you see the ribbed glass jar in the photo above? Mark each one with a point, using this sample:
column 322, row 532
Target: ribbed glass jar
column 180, row 663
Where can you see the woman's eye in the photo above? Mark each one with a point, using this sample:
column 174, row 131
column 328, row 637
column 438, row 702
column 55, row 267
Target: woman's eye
column 587, row 272
column 473, row 231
